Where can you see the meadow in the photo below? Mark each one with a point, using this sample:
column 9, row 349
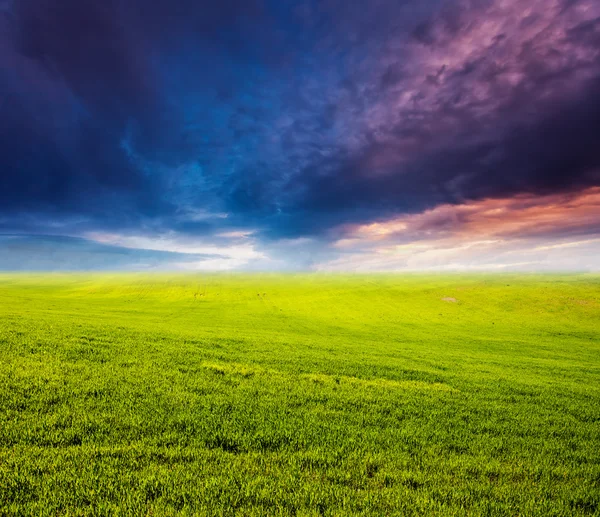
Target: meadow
column 306, row 395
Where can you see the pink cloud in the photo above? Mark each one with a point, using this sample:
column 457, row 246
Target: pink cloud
column 484, row 65
column 518, row 217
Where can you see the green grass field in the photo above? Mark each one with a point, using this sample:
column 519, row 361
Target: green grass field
column 299, row 395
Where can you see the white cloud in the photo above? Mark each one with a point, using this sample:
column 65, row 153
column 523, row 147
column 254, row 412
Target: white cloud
column 227, row 257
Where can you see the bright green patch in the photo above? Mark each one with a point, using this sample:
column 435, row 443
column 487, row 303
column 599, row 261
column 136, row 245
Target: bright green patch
column 299, row 395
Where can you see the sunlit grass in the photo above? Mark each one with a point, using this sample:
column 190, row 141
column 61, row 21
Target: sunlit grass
column 299, row 395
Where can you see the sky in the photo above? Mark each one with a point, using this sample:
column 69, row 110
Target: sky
column 330, row 135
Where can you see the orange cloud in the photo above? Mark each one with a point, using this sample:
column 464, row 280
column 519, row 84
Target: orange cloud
column 527, row 232
column 506, row 218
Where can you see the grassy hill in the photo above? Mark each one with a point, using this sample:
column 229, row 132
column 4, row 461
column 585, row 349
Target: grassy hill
column 299, row 395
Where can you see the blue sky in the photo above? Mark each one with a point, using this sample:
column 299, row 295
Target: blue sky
column 303, row 135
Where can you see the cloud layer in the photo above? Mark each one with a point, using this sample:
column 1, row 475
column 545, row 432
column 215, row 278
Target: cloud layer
column 278, row 126
column 525, row 232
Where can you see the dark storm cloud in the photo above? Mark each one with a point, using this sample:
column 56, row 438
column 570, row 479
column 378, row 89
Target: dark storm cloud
column 556, row 153
column 71, row 83
column 475, row 113
column 289, row 117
